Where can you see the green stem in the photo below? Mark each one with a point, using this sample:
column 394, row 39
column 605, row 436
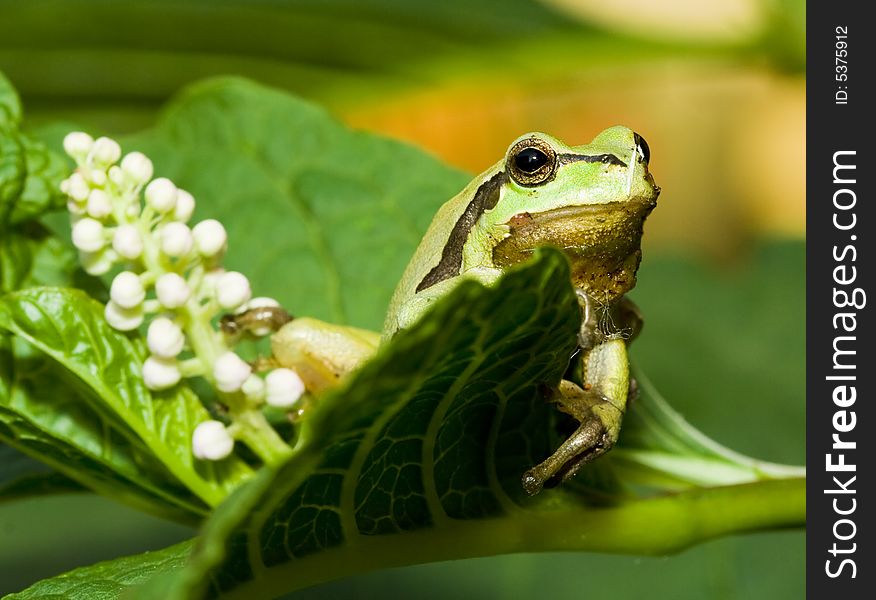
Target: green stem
column 255, row 431
column 653, row 526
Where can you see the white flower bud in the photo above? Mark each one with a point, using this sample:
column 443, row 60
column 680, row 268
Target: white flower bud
column 176, row 239
column 210, row 237
column 97, row 263
column 283, row 388
column 260, row 302
column 99, row 204
column 185, row 206
column 117, row 176
column 211, row 277
column 97, row 177
column 211, row 441
column 232, row 290
column 254, row 388
column 137, row 166
column 161, row 194
column 160, row 374
column 77, row 145
column 172, row 290
column 165, row 338
column 77, row 187
column 127, row 242
column 127, row 290
column 230, row 371
column 105, row 151
column 88, row 235
column 123, row 319
column 75, row 208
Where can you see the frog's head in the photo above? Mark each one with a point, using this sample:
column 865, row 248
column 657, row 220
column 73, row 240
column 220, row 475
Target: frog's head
column 591, row 201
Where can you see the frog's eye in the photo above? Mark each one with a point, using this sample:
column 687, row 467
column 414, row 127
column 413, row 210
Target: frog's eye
column 642, row 148
column 532, row 161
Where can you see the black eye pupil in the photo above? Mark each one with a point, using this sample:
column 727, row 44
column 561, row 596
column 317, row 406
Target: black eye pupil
column 530, row 160
column 642, row 147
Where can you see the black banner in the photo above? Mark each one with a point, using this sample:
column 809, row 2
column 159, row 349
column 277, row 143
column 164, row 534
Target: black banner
column 840, row 265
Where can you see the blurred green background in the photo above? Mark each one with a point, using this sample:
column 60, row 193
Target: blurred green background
column 717, row 89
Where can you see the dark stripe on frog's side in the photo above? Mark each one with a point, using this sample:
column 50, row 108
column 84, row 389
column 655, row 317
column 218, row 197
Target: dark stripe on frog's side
column 609, row 159
column 485, row 198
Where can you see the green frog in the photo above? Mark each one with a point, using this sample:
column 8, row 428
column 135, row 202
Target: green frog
column 591, row 201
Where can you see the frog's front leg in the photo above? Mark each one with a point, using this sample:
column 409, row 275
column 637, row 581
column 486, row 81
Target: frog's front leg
column 599, row 408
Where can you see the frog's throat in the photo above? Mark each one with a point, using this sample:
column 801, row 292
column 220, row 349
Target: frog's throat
column 602, row 241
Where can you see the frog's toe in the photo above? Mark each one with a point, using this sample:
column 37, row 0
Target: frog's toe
column 591, row 440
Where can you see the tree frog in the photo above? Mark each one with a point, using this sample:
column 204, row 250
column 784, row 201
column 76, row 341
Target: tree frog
column 591, row 201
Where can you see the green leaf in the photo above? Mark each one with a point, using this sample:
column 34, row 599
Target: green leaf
column 13, row 171
column 22, row 476
column 428, row 442
column 10, row 105
column 238, row 537
column 737, row 370
column 30, row 174
column 44, row 414
column 437, row 428
column 660, row 449
column 30, row 256
column 44, row 417
column 41, row 415
column 321, row 217
column 108, row 579
column 103, row 367
column 41, row 191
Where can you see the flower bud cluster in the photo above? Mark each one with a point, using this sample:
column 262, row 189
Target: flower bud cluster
column 121, row 216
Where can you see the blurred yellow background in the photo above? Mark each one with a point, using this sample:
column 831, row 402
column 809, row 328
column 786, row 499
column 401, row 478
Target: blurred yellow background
column 727, row 142
column 717, row 88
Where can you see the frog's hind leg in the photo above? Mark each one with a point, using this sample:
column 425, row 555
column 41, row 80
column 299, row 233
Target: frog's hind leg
column 598, row 407
column 322, row 353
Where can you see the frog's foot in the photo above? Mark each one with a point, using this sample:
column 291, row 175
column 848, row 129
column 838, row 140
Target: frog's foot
column 257, row 321
column 598, row 431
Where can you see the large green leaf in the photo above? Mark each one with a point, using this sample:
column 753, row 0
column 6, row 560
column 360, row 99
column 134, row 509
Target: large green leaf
column 321, row 217
column 109, row 579
column 439, row 427
column 104, row 368
column 418, row 458
column 732, row 566
column 411, row 442
column 45, row 414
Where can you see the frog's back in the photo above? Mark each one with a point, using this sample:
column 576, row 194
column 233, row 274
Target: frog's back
column 429, row 253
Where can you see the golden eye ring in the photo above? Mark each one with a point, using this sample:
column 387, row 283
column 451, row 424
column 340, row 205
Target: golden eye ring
column 532, row 161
